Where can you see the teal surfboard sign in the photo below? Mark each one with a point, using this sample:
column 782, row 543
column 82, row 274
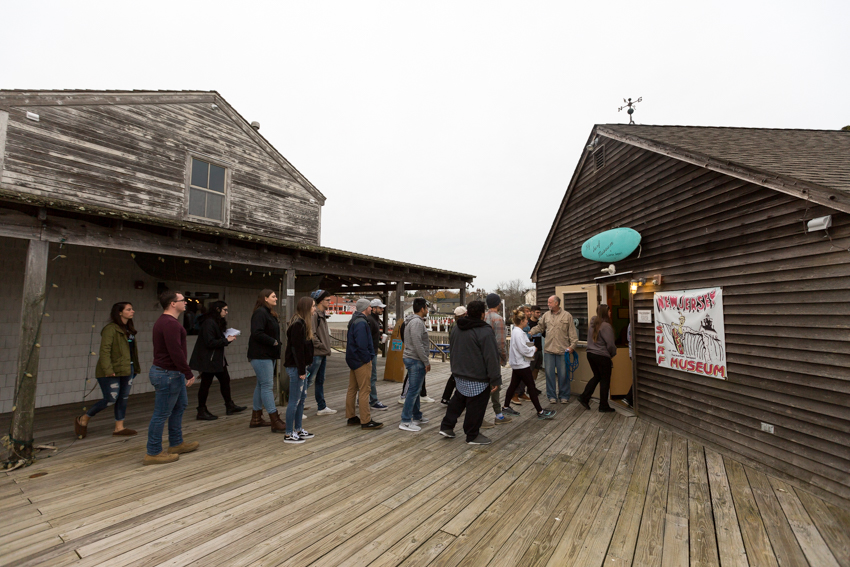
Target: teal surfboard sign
column 612, row 245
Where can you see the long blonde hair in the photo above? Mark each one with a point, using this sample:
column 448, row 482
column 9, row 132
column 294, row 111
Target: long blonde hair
column 304, row 311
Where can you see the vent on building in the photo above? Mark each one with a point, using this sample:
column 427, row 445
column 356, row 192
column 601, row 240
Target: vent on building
column 599, row 158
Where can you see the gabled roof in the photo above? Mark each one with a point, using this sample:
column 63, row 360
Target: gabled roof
column 808, row 164
column 31, row 98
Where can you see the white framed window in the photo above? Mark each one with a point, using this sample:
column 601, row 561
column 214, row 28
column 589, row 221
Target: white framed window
column 208, row 189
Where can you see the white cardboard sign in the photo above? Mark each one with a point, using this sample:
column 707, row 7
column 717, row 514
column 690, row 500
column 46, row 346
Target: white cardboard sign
column 689, row 332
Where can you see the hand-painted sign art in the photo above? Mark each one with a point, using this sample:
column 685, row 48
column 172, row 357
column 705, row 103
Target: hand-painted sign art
column 689, row 332
column 611, row 245
column 397, row 345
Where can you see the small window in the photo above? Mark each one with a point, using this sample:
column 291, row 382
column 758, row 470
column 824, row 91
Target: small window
column 599, row 158
column 207, row 190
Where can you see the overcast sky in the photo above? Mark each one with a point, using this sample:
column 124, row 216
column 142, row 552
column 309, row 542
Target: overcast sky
column 445, row 133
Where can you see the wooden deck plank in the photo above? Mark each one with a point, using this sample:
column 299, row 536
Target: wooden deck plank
column 576, row 490
column 782, row 538
column 756, row 542
column 676, row 548
column 594, row 550
column 730, row 543
column 832, row 524
column 810, row 540
column 622, row 547
column 578, row 532
column 701, row 538
column 650, row 542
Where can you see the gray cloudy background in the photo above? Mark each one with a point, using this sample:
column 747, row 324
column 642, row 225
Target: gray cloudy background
column 445, row 133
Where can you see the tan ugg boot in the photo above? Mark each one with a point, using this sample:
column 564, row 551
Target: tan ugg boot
column 161, row 459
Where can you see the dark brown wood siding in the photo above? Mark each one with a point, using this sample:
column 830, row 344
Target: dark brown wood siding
column 132, row 158
column 786, row 298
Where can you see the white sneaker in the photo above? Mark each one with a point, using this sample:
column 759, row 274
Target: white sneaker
column 326, row 411
column 409, row 426
column 401, row 400
column 426, row 400
column 421, row 421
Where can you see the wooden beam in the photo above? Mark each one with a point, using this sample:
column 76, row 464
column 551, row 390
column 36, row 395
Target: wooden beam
column 15, row 224
column 399, row 302
column 4, row 127
column 32, row 310
column 91, row 99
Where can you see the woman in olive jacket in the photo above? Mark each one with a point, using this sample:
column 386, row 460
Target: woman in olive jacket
column 263, row 351
column 208, row 359
column 117, row 364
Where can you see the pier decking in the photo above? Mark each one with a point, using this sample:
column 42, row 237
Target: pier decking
column 585, row 489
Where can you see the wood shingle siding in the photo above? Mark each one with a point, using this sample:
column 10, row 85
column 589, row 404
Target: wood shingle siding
column 786, row 296
column 133, row 158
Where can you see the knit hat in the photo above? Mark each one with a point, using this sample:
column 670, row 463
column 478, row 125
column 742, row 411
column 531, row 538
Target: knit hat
column 361, row 305
column 377, row 303
column 493, row 300
column 319, row 295
column 460, row 311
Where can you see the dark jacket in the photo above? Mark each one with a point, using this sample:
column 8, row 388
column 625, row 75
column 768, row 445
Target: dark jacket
column 359, row 349
column 264, row 342
column 299, row 351
column 208, row 355
column 376, row 326
column 475, row 355
column 116, row 353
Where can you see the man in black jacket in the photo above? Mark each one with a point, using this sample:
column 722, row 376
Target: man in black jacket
column 475, row 366
column 377, row 327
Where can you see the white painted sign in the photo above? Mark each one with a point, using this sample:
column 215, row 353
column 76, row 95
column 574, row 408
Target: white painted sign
column 290, row 293
column 689, row 332
column 644, row 316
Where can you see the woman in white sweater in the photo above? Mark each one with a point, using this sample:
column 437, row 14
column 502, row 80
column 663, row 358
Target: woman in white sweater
column 520, row 357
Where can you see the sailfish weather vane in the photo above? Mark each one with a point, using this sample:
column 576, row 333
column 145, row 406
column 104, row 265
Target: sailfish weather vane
column 631, row 108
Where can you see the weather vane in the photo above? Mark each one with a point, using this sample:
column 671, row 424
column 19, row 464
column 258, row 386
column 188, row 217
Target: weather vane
column 631, row 108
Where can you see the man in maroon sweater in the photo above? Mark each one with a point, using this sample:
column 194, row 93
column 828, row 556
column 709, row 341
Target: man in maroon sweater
column 170, row 375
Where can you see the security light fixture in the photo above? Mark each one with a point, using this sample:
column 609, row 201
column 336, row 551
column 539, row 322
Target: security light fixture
column 820, row 223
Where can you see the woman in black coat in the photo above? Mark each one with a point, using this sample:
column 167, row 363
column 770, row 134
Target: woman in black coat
column 208, row 359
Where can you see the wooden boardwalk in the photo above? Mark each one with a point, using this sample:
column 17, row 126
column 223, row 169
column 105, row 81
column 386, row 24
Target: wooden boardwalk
column 585, row 489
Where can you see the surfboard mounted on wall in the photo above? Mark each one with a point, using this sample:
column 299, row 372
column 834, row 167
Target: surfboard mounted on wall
column 611, row 246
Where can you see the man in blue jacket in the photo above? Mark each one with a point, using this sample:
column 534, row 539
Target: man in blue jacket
column 359, row 352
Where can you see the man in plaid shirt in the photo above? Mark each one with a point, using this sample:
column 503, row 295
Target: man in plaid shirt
column 496, row 321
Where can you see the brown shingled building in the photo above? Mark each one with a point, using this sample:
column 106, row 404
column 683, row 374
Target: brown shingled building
column 726, row 209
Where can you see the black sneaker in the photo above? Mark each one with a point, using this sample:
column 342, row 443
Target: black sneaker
column 546, row 414
column 304, row 434
column 372, row 425
column 606, row 409
column 354, row 420
column 447, row 433
column 480, row 440
column 510, row 411
column 379, row 406
column 292, row 438
column 584, row 404
column 444, row 401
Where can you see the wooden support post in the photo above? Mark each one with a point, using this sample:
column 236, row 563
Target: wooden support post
column 32, row 309
column 399, row 303
column 384, row 321
column 463, row 296
column 287, row 301
column 278, row 392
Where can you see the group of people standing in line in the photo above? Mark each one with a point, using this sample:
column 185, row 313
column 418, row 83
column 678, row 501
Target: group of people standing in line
column 477, row 345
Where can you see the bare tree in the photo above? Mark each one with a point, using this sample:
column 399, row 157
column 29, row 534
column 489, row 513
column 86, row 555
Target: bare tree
column 512, row 293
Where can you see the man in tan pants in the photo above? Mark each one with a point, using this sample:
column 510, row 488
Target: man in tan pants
column 359, row 352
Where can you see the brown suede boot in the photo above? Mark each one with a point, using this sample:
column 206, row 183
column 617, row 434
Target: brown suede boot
column 278, row 425
column 257, row 419
column 161, row 459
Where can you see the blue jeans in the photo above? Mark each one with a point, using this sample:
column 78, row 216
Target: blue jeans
column 373, row 394
column 264, row 390
column 317, row 373
column 170, row 403
column 416, row 372
column 557, row 362
column 297, row 395
column 116, row 390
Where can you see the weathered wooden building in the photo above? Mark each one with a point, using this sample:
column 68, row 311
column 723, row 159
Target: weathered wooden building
column 113, row 196
column 724, row 208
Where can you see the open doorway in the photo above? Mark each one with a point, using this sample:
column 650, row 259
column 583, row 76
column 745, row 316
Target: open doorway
column 617, row 296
